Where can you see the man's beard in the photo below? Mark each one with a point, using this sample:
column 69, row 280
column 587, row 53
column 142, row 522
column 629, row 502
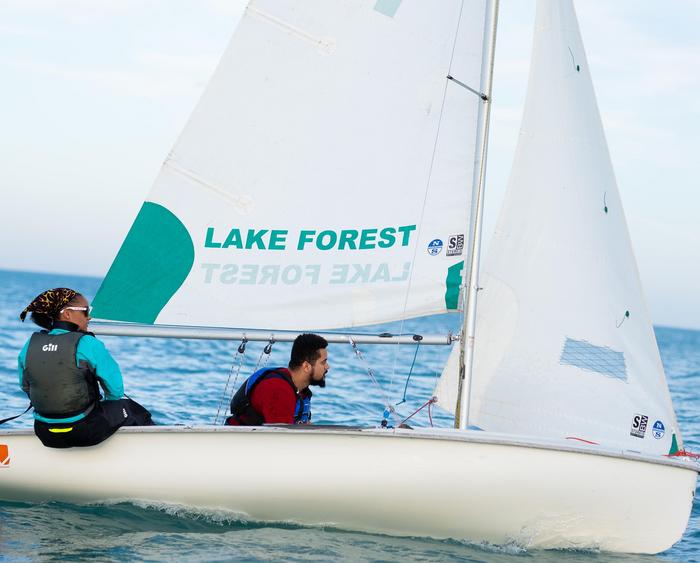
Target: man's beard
column 319, row 383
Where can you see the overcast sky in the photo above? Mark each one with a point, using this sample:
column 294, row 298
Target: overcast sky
column 94, row 94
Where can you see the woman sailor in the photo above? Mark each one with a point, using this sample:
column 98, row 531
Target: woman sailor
column 61, row 369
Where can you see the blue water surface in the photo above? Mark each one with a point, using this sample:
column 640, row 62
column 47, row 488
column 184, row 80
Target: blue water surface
column 183, row 381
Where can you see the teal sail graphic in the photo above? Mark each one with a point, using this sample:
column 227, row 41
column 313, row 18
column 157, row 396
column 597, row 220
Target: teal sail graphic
column 153, row 262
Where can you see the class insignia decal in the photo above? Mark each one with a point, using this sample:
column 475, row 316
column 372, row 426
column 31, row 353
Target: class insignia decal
column 658, row 430
column 455, row 245
column 4, row 456
column 639, row 425
column 435, row 247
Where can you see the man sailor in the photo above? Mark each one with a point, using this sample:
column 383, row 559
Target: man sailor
column 282, row 395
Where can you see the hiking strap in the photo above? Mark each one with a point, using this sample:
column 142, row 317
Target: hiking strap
column 4, row 420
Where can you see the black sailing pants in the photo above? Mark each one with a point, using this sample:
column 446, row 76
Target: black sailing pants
column 103, row 421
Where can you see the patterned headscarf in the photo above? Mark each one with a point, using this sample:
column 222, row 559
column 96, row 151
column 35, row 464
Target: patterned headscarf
column 50, row 302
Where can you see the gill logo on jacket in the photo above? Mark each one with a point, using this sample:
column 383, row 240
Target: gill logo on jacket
column 49, row 347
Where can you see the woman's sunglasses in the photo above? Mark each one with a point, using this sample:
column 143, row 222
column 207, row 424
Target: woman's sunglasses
column 86, row 310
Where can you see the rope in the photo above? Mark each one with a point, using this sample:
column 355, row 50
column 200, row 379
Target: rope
column 240, row 353
column 428, row 404
column 389, row 409
column 265, row 353
column 4, row 420
column 410, row 372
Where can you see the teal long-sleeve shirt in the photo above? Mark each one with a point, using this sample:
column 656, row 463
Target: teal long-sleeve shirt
column 90, row 350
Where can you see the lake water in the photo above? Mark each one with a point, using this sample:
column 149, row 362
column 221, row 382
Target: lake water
column 183, row 382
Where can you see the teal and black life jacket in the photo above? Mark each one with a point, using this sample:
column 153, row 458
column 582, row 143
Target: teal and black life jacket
column 57, row 387
column 242, row 410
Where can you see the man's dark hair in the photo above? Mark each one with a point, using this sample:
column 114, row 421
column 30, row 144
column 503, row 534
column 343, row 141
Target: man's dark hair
column 306, row 349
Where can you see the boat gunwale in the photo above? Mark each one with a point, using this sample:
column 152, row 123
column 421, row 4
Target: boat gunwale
column 442, row 434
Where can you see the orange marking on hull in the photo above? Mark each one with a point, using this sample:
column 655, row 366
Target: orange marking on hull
column 4, row 455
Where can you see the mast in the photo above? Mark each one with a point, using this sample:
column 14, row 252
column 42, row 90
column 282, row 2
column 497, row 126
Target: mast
column 470, row 280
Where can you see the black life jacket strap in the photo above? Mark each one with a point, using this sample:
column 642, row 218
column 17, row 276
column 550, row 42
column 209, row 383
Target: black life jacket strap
column 4, row 420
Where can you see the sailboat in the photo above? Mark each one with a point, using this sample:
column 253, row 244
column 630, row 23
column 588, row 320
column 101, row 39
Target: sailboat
column 332, row 177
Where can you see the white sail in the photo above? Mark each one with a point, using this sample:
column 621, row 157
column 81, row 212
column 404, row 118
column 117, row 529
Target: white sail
column 564, row 342
column 327, row 154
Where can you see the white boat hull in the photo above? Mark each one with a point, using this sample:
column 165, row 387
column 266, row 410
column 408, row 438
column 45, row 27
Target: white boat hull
column 442, row 484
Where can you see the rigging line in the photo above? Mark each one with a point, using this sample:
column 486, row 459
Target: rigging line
column 241, row 350
column 265, row 352
column 436, row 379
column 240, row 353
column 410, row 372
column 573, row 60
column 415, row 412
column 370, row 372
column 427, row 186
column 8, row 419
column 369, row 411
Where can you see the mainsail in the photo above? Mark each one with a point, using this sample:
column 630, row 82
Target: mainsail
column 323, row 180
column 564, row 343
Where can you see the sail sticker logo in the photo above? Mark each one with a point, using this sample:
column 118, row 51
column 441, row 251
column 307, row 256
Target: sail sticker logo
column 4, row 456
column 435, row 247
column 639, row 425
column 658, row 430
column 455, row 245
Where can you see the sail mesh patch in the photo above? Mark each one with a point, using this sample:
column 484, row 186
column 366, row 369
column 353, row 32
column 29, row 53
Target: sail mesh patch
column 599, row 359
